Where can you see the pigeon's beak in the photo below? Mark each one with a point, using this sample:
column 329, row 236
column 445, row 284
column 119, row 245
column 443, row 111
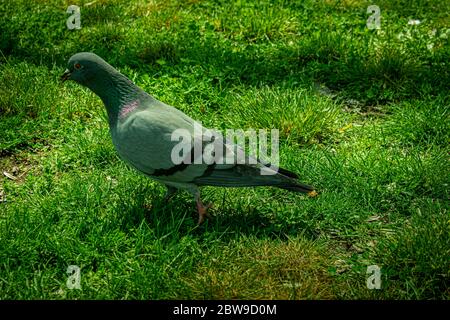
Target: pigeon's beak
column 66, row 75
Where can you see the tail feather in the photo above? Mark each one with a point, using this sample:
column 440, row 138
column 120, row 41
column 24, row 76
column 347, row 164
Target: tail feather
column 284, row 172
column 297, row 187
column 250, row 176
column 288, row 173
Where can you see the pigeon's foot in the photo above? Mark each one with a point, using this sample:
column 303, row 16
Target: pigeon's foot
column 202, row 211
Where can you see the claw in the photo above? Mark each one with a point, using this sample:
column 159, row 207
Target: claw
column 201, row 208
column 203, row 211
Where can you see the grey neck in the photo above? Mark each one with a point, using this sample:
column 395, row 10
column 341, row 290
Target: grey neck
column 116, row 91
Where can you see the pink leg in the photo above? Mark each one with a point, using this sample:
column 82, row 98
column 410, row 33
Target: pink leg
column 202, row 209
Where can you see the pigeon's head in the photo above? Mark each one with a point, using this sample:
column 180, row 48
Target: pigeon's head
column 85, row 68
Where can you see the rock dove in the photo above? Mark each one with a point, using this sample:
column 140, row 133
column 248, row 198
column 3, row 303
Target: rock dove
column 141, row 128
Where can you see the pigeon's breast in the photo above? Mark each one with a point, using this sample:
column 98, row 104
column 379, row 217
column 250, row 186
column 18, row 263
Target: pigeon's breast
column 128, row 109
column 144, row 142
column 119, row 143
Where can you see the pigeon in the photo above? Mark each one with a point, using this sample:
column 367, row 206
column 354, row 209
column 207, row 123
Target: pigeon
column 141, row 128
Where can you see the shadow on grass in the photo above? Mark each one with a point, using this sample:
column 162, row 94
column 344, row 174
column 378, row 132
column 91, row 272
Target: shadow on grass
column 177, row 218
column 351, row 65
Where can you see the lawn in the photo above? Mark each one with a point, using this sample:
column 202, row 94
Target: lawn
column 363, row 115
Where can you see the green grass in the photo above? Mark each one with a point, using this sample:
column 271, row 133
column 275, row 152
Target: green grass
column 363, row 116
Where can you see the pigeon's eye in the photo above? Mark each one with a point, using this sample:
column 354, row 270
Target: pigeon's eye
column 77, row 66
